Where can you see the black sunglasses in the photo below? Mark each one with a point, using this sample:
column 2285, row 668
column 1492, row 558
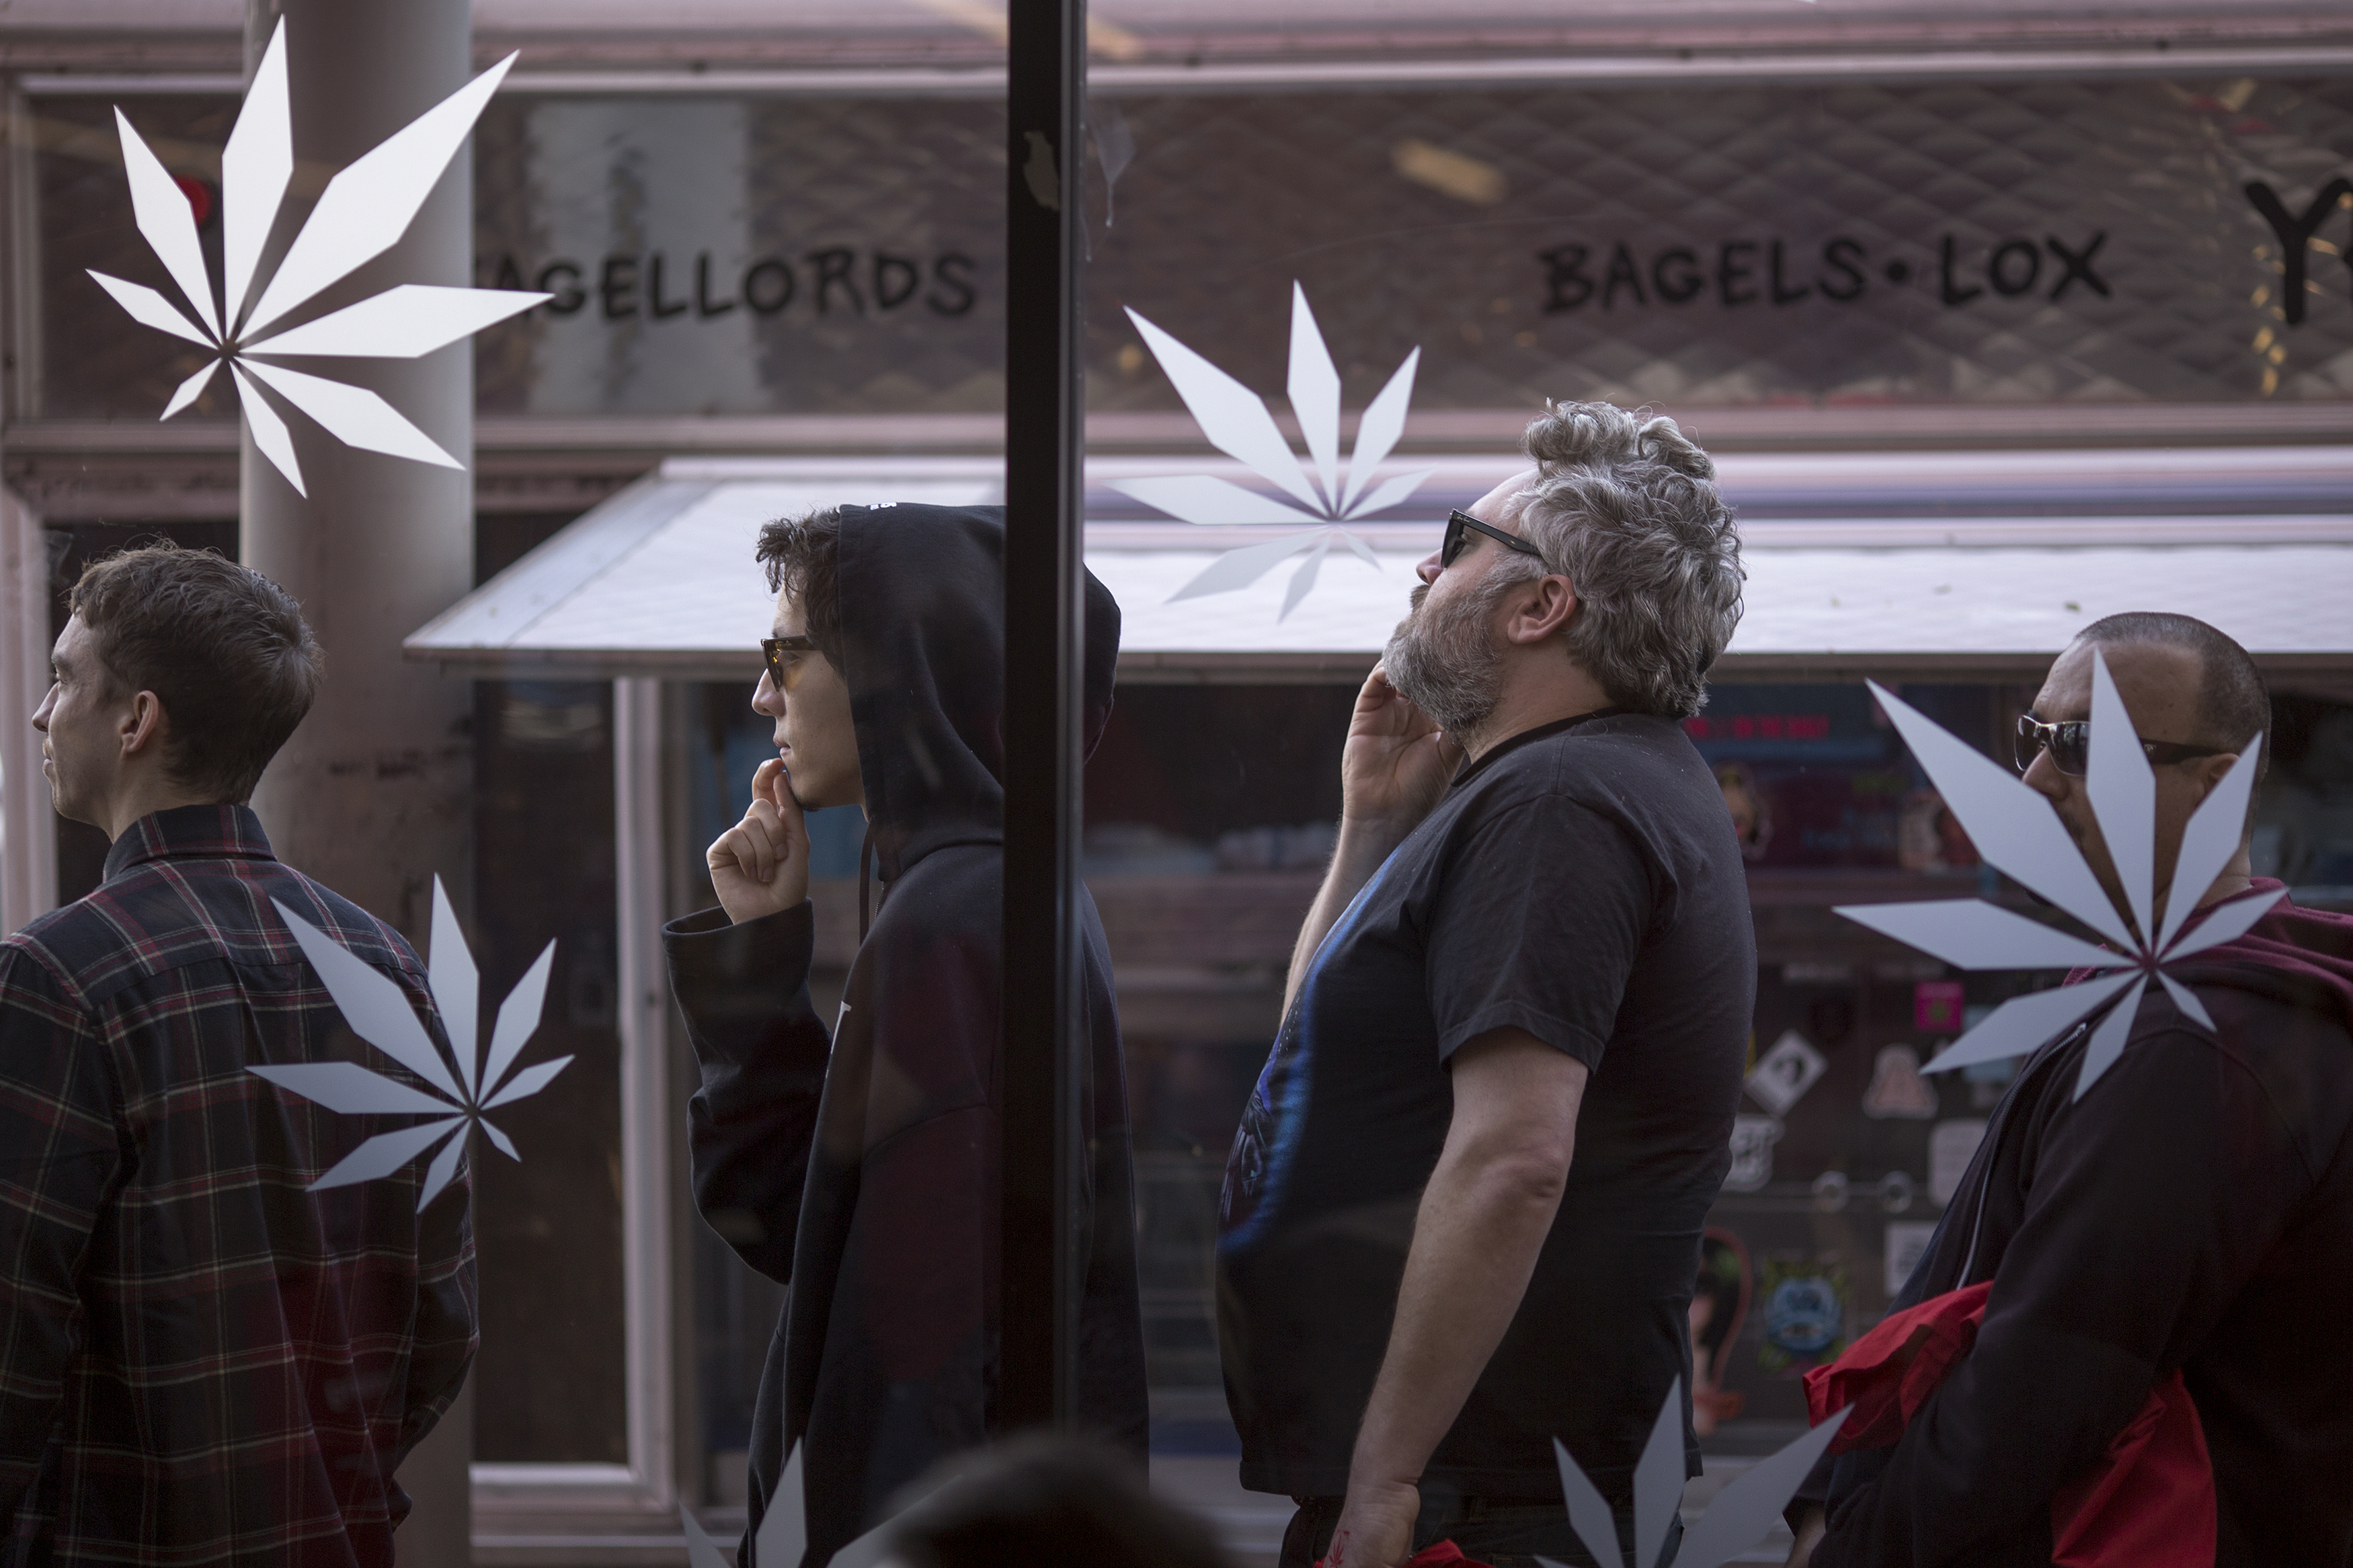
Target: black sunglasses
column 774, row 650
column 2069, row 743
column 1459, row 525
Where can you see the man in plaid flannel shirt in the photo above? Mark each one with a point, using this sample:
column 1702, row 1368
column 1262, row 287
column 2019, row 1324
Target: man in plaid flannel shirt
column 200, row 1361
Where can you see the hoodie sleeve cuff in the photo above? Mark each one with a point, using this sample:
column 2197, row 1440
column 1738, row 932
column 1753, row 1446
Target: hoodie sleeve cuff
column 706, row 951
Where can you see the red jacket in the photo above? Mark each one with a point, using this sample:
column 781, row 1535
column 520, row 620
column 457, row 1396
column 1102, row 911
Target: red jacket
column 2149, row 1502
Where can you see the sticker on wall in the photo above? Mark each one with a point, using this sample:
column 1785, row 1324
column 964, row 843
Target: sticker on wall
column 1783, row 1073
column 1951, row 1146
column 1907, row 1243
column 2021, row 834
column 1805, row 1312
column 1831, row 1191
column 1740, row 1516
column 1897, row 1090
column 1236, row 423
column 1718, row 1308
column 1897, row 1192
column 363, row 213
column 1751, row 813
column 1939, row 1006
column 379, row 1013
column 1928, row 838
column 1753, row 1138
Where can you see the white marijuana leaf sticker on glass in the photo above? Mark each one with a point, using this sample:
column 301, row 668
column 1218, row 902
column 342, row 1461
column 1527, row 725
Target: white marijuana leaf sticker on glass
column 378, row 1012
column 2017, row 833
column 362, row 214
column 1742, row 1514
column 1236, row 423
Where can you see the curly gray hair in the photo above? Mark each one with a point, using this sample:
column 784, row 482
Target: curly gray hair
column 1625, row 506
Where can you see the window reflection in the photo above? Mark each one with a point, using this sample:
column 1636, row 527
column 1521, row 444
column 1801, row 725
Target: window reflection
column 1804, row 267
column 550, row 1383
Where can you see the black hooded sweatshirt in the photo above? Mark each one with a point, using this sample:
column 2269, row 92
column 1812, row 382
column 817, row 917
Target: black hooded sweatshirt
column 2193, row 1211
column 859, row 1169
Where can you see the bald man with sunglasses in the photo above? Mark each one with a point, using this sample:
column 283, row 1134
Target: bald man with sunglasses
column 2182, row 716
column 2189, row 1213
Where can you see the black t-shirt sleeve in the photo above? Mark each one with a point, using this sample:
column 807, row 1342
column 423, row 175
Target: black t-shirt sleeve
column 1537, row 920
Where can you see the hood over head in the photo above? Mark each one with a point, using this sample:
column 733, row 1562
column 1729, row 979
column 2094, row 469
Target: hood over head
column 921, row 610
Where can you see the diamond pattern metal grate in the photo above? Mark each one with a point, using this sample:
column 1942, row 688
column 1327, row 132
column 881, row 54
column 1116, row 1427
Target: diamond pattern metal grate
column 1229, row 198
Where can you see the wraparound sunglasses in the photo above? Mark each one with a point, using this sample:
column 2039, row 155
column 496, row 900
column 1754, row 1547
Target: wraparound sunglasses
column 774, row 650
column 2069, row 742
column 1460, row 525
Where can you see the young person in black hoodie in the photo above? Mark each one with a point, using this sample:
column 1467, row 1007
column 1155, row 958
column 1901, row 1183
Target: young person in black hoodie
column 2192, row 1212
column 858, row 1166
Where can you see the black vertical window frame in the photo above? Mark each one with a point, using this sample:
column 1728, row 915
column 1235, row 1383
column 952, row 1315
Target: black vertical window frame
column 1040, row 1080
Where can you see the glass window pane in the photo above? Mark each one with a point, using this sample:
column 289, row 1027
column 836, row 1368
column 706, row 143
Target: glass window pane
column 1979, row 356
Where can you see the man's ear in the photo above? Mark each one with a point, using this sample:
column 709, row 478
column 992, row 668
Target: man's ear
column 1541, row 606
column 2208, row 771
column 143, row 727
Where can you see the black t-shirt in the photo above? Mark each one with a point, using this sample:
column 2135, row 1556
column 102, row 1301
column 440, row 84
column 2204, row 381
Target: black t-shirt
column 1581, row 881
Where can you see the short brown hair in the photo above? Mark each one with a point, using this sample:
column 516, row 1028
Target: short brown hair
column 803, row 555
column 223, row 647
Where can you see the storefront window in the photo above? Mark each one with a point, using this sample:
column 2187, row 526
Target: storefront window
column 1980, row 354
column 552, row 1388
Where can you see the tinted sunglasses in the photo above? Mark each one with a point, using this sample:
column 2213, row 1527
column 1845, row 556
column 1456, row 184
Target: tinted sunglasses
column 785, row 674
column 1459, row 526
column 2070, row 745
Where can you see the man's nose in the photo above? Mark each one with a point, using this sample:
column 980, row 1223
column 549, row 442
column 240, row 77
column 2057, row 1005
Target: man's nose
column 1430, row 568
column 41, row 714
column 2044, row 777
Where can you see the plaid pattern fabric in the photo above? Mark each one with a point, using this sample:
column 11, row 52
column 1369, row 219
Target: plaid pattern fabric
column 201, row 1363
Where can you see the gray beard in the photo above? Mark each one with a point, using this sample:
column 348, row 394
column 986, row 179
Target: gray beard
column 1444, row 662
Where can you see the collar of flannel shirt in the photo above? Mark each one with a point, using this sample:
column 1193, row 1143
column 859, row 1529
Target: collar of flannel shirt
column 214, row 832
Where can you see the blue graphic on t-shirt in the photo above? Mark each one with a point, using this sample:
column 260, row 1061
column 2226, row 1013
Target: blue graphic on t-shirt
column 1267, row 1141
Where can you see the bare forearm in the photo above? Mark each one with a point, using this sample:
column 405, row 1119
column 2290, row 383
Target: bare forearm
column 1484, row 1213
column 1359, row 853
column 1481, row 1223
column 1809, row 1536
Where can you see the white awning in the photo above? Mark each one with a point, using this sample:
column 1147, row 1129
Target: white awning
column 661, row 580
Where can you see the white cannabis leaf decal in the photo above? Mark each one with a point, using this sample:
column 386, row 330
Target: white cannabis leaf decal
column 1238, row 424
column 1741, row 1515
column 2017, row 833
column 379, row 1013
column 361, row 214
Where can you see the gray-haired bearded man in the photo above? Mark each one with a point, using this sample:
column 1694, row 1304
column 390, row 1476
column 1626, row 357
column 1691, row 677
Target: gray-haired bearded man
column 1463, row 1216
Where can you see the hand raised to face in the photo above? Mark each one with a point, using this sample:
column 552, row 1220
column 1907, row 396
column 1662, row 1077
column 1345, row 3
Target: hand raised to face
column 1397, row 762
column 760, row 866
